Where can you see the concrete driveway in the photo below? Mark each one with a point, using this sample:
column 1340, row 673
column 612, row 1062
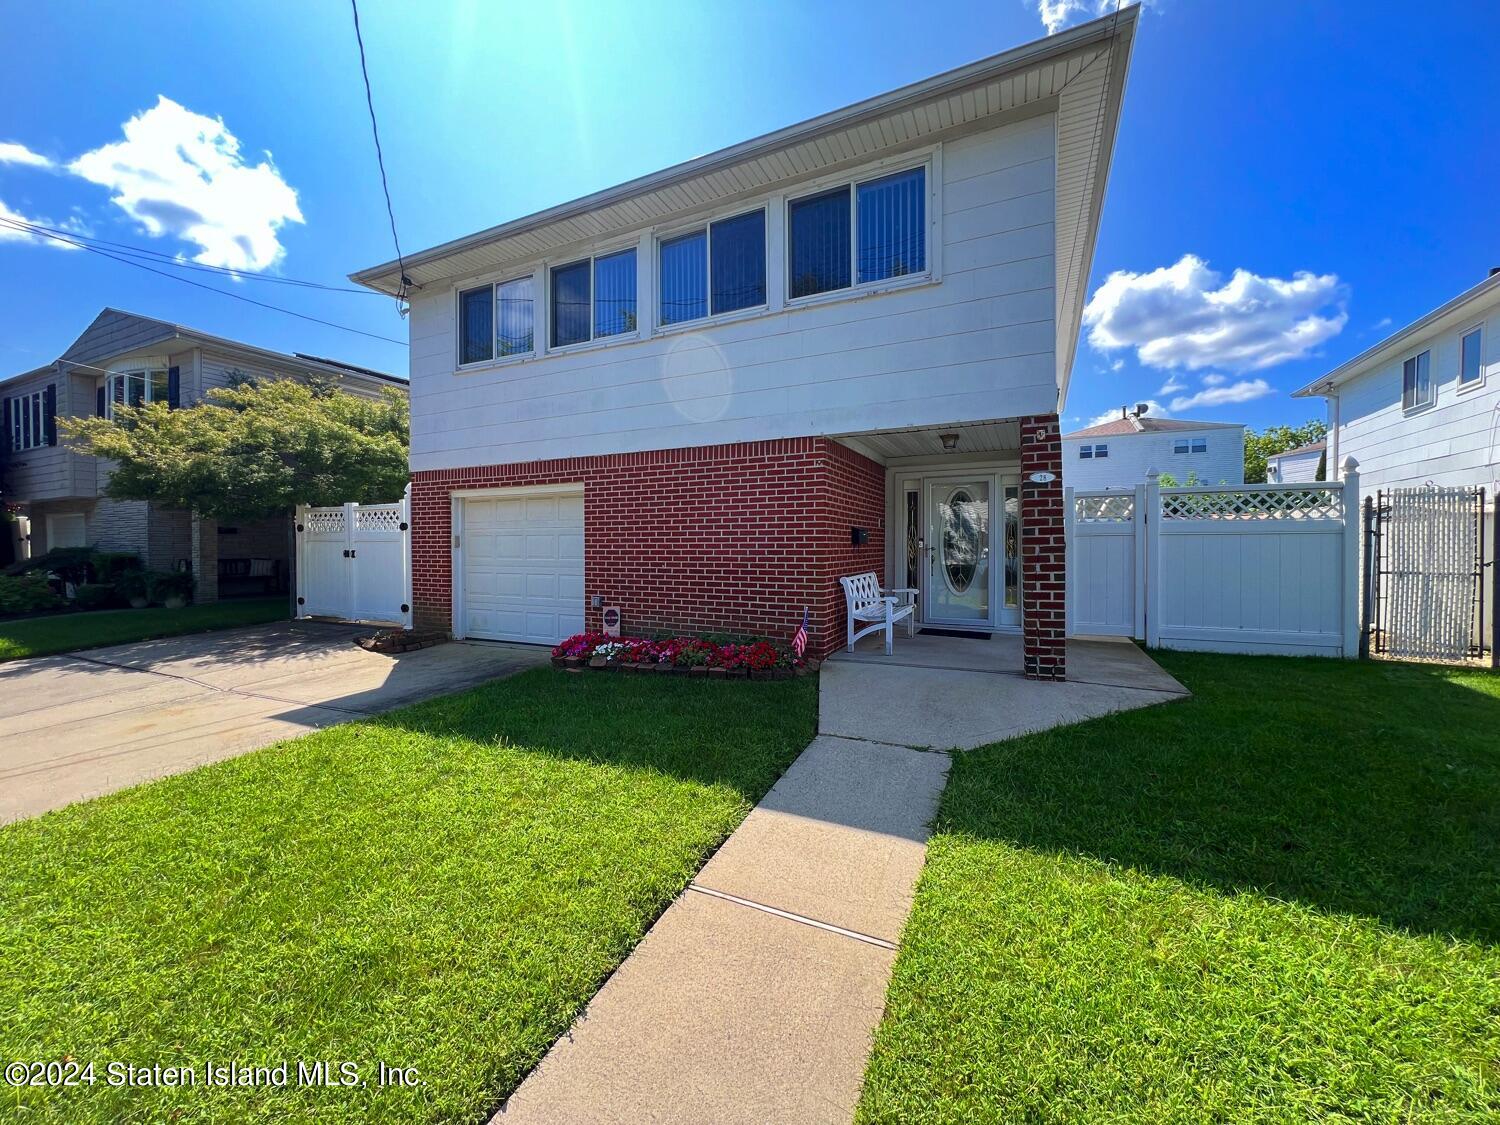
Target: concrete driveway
column 77, row 726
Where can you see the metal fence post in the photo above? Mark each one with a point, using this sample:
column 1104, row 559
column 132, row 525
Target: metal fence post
column 1350, row 475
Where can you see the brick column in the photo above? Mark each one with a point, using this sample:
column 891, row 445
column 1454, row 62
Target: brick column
column 205, row 560
column 1043, row 552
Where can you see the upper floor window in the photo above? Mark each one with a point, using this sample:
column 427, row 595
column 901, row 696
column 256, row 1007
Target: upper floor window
column 1416, row 382
column 496, row 321
column 593, row 298
column 134, row 388
column 1093, row 452
column 719, row 269
column 29, row 424
column 1471, row 357
column 858, row 233
column 1190, row 445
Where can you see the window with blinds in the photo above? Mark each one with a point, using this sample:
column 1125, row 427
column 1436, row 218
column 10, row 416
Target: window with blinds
column 719, row 269
column 858, row 234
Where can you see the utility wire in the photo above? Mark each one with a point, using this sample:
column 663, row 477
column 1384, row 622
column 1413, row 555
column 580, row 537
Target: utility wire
column 161, row 258
column 214, row 289
column 379, row 155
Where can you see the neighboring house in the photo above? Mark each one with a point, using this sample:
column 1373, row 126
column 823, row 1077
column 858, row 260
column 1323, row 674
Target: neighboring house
column 1297, row 466
column 1424, row 403
column 1119, row 453
column 122, row 357
column 703, row 395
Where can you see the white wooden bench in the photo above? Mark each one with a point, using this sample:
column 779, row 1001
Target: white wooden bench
column 866, row 601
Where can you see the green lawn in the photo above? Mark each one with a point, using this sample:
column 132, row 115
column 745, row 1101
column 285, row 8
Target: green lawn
column 441, row 888
column 1276, row 901
column 40, row 636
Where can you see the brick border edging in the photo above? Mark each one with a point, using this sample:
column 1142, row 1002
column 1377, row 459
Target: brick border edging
column 696, row 672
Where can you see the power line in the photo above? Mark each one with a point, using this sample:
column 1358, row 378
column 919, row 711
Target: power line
column 215, row 289
column 379, row 155
column 166, row 259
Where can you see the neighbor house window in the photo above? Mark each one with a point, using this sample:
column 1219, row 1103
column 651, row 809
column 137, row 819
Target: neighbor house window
column 1093, row 452
column 719, row 269
column 1190, row 445
column 495, row 321
column 1416, row 382
column 1471, row 358
column 134, row 388
column 593, row 298
column 27, row 417
column 858, row 233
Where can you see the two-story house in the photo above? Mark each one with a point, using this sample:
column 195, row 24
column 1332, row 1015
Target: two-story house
column 123, row 357
column 1420, row 405
column 703, row 395
column 1121, row 452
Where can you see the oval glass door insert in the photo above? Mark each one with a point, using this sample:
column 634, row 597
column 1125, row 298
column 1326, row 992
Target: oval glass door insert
column 961, row 541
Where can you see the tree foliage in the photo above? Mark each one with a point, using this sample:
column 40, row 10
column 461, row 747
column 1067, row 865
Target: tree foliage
column 253, row 450
column 1277, row 439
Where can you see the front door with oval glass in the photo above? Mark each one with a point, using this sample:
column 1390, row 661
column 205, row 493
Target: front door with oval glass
column 959, row 582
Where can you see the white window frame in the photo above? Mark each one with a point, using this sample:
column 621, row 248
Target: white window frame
column 893, row 166
column 29, row 407
column 143, row 369
column 703, row 226
column 1475, row 383
column 592, row 257
column 1085, row 452
column 1431, row 401
column 1101, row 450
column 493, row 284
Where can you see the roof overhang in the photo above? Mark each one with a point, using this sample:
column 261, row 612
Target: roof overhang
column 1079, row 74
column 1441, row 319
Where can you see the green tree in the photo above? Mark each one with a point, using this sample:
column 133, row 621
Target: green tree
column 1277, row 439
column 252, row 450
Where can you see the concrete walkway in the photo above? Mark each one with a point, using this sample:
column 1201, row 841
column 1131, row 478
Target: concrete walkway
column 755, row 997
column 89, row 723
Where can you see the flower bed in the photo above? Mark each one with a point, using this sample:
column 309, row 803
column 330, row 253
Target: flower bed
column 762, row 660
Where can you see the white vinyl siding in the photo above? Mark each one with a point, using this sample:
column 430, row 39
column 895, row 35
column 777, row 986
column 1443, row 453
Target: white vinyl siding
column 971, row 339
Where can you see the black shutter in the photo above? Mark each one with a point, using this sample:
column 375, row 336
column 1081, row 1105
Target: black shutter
column 174, row 389
column 99, row 406
column 5, row 437
column 49, row 414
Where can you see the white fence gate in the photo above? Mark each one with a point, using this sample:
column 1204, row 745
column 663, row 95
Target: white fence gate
column 354, row 562
column 1248, row 568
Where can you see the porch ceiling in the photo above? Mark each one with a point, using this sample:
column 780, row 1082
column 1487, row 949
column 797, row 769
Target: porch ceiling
column 927, row 442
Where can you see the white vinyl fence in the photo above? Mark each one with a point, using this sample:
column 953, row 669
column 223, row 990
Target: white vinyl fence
column 1248, row 568
column 354, row 562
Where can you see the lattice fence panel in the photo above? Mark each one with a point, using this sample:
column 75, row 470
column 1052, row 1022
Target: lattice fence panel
column 1119, row 508
column 384, row 518
column 1253, row 504
column 1431, row 547
column 325, row 521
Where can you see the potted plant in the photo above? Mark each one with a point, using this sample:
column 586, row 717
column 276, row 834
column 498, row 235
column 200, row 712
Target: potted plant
column 174, row 588
column 133, row 587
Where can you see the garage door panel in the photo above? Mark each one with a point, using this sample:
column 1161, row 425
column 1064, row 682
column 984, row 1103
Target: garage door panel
column 523, row 568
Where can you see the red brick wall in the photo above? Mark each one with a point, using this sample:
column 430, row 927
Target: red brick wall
column 730, row 538
column 1043, row 552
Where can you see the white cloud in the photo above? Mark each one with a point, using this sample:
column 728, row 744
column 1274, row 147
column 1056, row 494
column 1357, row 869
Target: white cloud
column 1242, row 391
column 181, row 173
column 1172, row 386
column 1186, row 315
column 1117, row 365
column 9, row 233
column 1215, row 380
column 1058, row 14
column 1154, row 409
column 13, row 153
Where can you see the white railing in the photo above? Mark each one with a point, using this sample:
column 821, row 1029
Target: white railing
column 1247, row 568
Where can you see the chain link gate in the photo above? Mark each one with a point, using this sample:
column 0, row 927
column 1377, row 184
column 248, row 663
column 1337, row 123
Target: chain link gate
column 1425, row 574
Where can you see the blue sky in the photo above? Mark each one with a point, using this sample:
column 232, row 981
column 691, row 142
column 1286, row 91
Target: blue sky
column 1292, row 180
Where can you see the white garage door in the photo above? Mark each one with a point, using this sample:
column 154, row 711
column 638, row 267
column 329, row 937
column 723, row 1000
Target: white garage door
column 523, row 567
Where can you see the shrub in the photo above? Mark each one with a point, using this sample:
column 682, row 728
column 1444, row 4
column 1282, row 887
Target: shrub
column 71, row 564
column 110, row 565
column 93, row 595
column 27, row 593
column 171, row 583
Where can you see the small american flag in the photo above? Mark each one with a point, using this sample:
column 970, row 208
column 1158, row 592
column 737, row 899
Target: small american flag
column 799, row 638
